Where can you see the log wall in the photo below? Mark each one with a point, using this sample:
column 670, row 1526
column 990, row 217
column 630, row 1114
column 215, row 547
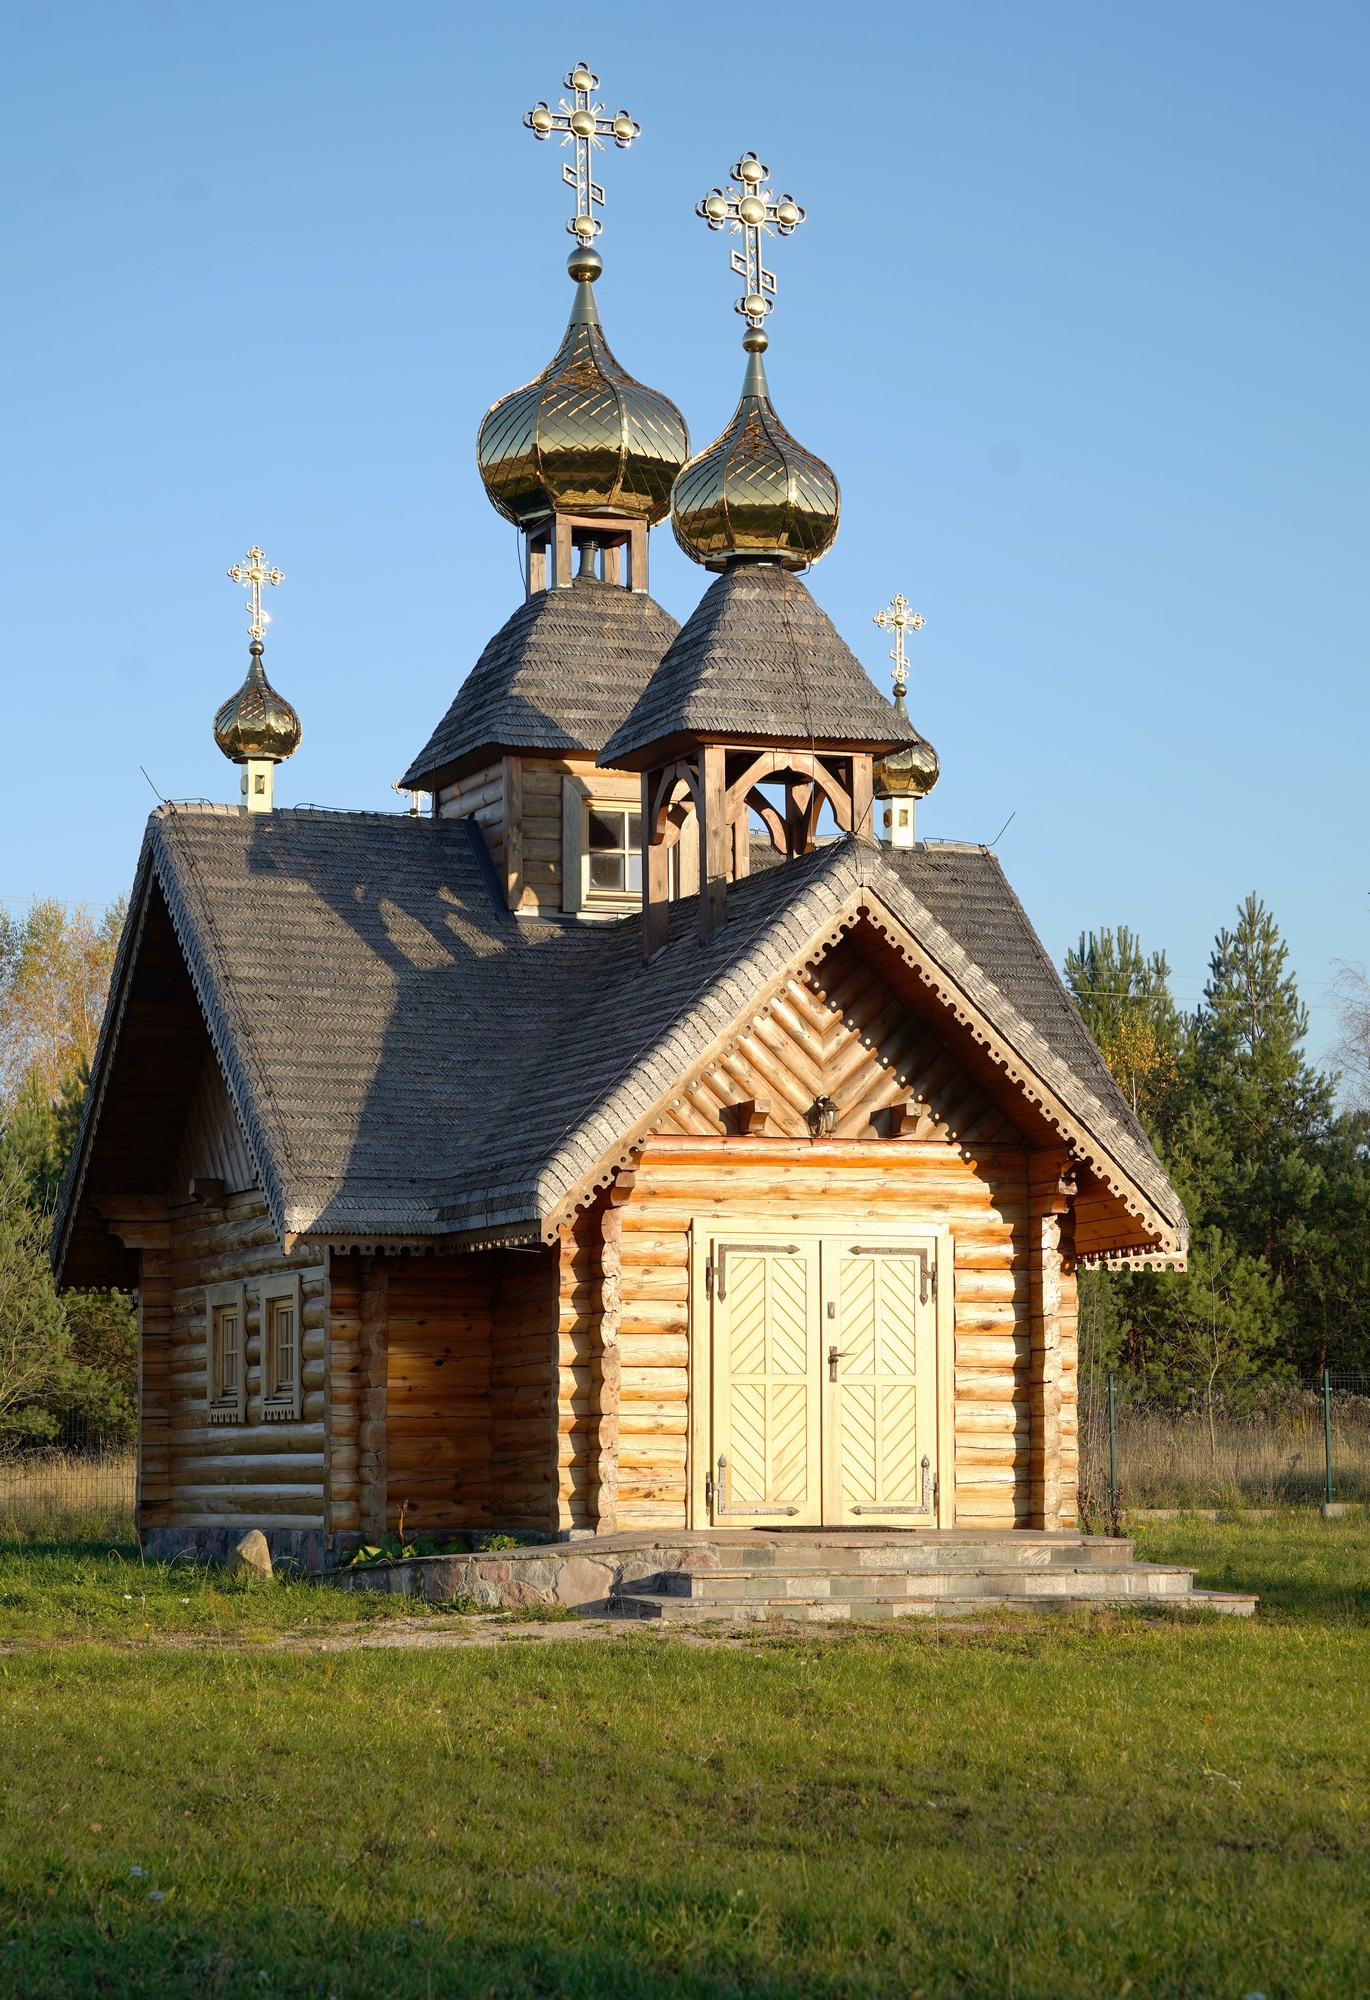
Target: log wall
column 438, row 1409
column 523, row 810
column 1070, row 1380
column 550, row 1389
column 154, row 1387
column 527, row 1289
column 346, row 1397
column 254, row 1474
column 906, row 1184
column 443, row 1378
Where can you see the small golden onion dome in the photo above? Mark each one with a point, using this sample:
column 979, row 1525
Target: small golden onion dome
column 583, row 437
column 256, row 721
column 909, row 773
column 755, row 491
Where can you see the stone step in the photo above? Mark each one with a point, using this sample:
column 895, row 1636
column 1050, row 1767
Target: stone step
column 915, row 1553
column 816, row 1610
column 766, row 1586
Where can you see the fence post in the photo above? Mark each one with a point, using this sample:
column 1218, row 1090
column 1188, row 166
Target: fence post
column 1113, row 1456
column 1327, row 1427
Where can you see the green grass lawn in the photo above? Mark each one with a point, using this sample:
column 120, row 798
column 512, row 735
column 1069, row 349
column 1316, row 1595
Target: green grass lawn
column 1116, row 1804
column 93, row 1591
column 1302, row 1566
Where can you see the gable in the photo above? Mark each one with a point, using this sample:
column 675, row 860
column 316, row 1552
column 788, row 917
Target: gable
column 142, row 1092
column 882, row 969
column 212, row 1146
column 838, row 1031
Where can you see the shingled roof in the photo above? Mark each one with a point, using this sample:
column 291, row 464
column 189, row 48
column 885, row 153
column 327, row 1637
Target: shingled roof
column 406, row 1066
column 558, row 676
column 757, row 662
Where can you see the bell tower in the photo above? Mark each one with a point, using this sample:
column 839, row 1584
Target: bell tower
column 758, row 707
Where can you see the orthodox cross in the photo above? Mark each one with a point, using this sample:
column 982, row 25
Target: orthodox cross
column 749, row 208
column 254, row 570
column 899, row 619
column 583, row 125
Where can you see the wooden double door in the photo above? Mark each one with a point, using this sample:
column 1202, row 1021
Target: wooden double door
column 824, row 1367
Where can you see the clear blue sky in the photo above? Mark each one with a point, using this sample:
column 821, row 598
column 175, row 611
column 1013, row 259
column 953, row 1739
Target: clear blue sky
column 1078, row 316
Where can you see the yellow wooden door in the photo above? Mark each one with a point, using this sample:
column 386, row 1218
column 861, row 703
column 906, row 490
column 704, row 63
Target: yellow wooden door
column 767, row 1374
column 880, row 1381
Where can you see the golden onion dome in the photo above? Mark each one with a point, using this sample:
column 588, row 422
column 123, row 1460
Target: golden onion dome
column 756, row 491
column 256, row 721
column 583, row 437
column 909, row 773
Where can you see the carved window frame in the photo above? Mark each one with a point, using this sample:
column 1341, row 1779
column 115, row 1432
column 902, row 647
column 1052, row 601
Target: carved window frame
column 222, row 1302
column 282, row 1389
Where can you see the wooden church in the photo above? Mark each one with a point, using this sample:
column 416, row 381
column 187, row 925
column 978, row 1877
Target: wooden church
column 656, row 1136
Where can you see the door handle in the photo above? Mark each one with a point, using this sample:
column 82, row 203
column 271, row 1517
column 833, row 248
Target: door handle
column 834, row 1357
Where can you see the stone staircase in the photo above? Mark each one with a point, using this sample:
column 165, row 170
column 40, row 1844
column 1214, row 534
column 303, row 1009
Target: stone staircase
column 825, row 1577
column 817, row 1575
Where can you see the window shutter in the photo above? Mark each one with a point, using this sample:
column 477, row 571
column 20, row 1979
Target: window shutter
column 225, row 1353
column 282, row 1344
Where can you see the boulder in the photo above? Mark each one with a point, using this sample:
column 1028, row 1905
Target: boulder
column 251, row 1557
column 583, row 1582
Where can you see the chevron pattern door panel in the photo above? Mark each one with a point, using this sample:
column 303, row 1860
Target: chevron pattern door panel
column 767, row 1382
column 880, row 1381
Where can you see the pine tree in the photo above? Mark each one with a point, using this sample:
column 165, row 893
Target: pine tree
column 1275, row 1183
column 1257, row 1146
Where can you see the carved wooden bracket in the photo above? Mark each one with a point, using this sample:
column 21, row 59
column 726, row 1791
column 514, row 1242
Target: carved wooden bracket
column 747, row 1118
column 140, row 1222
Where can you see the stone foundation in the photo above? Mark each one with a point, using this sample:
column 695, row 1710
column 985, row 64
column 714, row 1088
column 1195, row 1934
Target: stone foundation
column 298, row 1550
column 588, row 1577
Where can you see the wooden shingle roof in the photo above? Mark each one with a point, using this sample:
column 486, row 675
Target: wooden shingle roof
column 407, row 1066
column 758, row 661
column 558, row 676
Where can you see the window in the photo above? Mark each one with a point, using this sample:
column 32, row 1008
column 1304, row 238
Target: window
column 601, row 846
column 225, row 1329
column 227, row 1353
column 280, row 1350
column 281, row 1338
column 613, row 853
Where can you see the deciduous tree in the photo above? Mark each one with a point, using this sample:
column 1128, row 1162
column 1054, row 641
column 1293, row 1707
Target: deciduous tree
column 1124, row 997
column 55, row 965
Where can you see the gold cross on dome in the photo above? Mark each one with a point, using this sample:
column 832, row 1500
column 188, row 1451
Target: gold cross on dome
column 583, row 125
column 254, row 570
column 748, row 207
column 898, row 618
